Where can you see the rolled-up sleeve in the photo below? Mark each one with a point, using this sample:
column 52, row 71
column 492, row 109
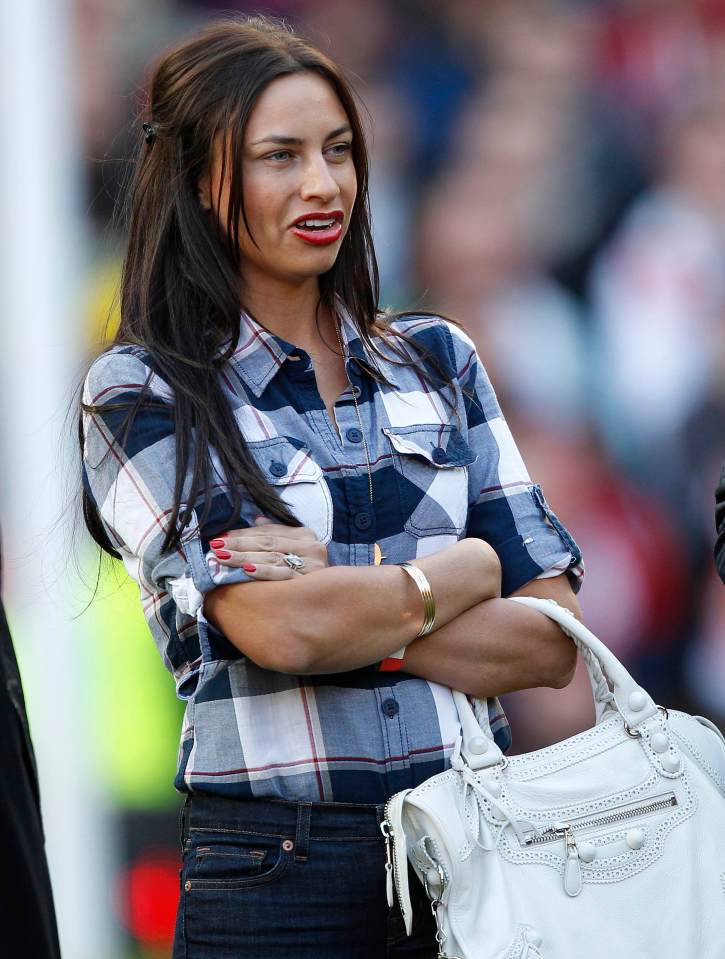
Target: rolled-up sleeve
column 506, row 508
column 129, row 471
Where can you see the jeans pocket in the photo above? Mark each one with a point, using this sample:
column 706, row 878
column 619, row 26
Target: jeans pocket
column 227, row 862
column 230, row 892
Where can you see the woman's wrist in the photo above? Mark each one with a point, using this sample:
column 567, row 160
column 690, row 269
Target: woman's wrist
column 461, row 576
column 426, row 595
column 394, row 660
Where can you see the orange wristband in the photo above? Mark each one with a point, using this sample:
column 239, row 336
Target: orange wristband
column 393, row 662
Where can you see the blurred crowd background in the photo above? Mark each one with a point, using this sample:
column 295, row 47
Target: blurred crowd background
column 552, row 175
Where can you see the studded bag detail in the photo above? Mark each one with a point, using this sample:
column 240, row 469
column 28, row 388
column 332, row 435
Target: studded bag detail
column 611, row 843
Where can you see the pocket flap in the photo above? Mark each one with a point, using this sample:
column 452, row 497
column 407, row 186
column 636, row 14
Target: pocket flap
column 440, row 444
column 283, row 463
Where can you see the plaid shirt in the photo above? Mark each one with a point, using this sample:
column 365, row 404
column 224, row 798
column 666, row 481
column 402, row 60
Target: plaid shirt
column 439, row 474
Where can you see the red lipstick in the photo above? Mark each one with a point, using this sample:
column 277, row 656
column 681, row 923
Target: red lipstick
column 317, row 228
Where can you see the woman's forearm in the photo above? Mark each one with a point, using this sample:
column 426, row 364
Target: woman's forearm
column 498, row 646
column 342, row 617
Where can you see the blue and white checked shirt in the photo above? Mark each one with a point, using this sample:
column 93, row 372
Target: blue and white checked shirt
column 439, row 474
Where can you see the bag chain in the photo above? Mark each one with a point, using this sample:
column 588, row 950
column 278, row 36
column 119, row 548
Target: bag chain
column 435, row 905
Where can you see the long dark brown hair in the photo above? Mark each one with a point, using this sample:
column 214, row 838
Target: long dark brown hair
column 181, row 293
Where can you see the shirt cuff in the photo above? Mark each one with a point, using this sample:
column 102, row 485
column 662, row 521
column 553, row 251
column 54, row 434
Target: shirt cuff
column 203, row 573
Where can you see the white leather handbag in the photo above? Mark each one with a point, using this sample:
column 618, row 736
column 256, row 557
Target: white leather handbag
column 609, row 845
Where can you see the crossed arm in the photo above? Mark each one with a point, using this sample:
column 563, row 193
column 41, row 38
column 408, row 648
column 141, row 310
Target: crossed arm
column 340, row 618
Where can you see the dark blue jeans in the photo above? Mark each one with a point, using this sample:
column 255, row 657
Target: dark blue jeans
column 282, row 880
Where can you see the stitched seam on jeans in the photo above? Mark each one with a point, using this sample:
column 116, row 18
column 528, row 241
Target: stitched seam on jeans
column 209, row 885
column 346, row 838
column 241, row 832
column 281, row 835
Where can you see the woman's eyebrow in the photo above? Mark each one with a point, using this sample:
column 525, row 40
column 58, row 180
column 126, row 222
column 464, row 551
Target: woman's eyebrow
column 295, row 141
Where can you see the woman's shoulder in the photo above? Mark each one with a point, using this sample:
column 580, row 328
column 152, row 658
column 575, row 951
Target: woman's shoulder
column 121, row 369
column 443, row 337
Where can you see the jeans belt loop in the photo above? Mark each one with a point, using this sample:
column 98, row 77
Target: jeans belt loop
column 302, row 834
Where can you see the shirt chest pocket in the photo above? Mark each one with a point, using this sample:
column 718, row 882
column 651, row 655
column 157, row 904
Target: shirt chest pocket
column 431, row 467
column 299, row 482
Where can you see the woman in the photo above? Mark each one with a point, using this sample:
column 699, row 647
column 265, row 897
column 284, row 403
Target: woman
column 263, row 448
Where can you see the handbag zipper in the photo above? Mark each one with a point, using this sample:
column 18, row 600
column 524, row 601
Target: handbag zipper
column 645, row 808
column 393, row 877
column 391, row 873
column 387, row 832
column 574, row 855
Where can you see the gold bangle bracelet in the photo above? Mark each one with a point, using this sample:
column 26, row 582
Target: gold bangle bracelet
column 429, row 603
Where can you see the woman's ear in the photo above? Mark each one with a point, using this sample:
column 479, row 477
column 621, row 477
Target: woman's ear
column 203, row 193
column 204, row 188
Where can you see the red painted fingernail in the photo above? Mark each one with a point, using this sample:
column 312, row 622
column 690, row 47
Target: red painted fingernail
column 216, row 543
column 249, row 568
column 223, row 553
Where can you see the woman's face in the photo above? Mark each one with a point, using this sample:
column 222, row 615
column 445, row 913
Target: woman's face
column 299, row 181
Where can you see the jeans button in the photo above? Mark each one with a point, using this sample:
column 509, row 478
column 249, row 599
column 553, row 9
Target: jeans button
column 277, row 468
column 390, row 708
column 354, row 435
column 439, row 455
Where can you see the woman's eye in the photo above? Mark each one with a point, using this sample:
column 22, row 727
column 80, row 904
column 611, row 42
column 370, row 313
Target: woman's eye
column 337, row 151
column 340, row 149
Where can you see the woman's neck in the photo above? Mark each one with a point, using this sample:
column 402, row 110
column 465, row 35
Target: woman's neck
column 291, row 312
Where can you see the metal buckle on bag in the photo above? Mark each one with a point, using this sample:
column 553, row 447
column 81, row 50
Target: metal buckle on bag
column 635, row 733
column 441, row 881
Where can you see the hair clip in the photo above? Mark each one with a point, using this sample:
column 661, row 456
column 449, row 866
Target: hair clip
column 150, row 132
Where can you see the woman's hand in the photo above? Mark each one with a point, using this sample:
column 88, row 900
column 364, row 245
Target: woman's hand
column 260, row 550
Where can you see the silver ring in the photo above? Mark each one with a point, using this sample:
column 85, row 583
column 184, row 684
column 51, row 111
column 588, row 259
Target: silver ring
column 293, row 561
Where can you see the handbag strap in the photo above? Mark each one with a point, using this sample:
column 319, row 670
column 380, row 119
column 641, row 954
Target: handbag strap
column 612, row 688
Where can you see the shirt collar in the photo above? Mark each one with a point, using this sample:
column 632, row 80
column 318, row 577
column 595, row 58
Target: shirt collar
column 355, row 348
column 260, row 354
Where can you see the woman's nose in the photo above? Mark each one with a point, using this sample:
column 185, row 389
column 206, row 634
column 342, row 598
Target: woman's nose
column 318, row 182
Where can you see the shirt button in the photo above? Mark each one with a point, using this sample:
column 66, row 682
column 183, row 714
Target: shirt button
column 390, row 708
column 440, row 455
column 363, row 520
column 277, row 468
column 354, row 435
